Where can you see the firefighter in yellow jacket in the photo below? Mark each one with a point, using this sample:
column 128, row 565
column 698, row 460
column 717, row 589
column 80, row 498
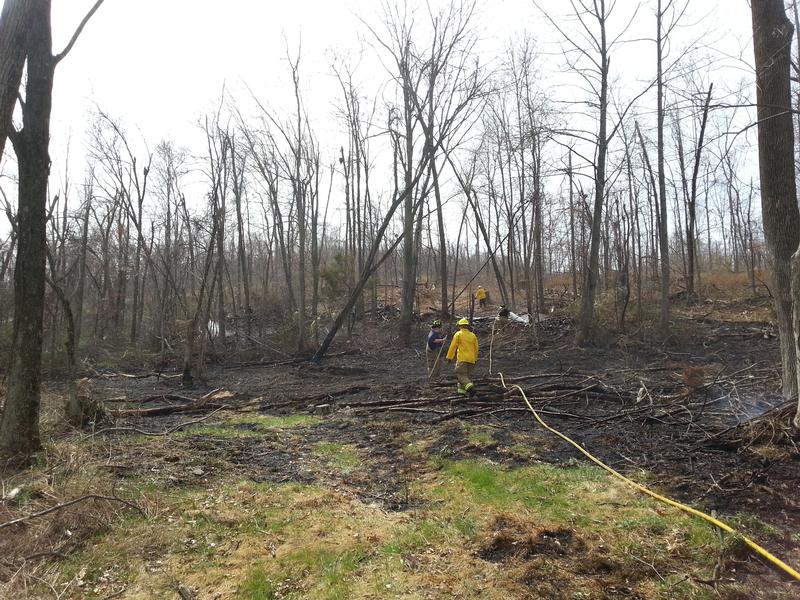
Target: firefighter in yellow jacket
column 480, row 296
column 464, row 349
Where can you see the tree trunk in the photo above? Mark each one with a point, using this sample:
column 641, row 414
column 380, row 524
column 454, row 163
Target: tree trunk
column 15, row 25
column 442, row 239
column 409, row 283
column 138, row 280
column 492, row 254
column 220, row 269
column 81, row 286
column 591, row 273
column 538, row 242
column 772, row 35
column 663, row 232
column 19, row 430
column 572, row 254
column 238, row 193
column 691, row 217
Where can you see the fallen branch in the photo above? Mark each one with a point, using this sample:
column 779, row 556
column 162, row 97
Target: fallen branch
column 143, row 375
column 473, row 412
column 353, row 389
column 58, row 507
column 157, row 433
column 538, row 376
column 168, row 410
column 292, row 361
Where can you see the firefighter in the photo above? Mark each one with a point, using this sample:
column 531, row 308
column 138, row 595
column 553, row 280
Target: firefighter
column 433, row 349
column 464, row 349
column 480, row 296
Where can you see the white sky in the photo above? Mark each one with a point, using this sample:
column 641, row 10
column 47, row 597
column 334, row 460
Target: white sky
column 161, row 64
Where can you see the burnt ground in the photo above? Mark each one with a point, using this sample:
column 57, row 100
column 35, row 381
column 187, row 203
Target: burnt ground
column 688, row 418
column 672, row 411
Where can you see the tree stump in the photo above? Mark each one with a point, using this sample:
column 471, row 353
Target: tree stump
column 84, row 405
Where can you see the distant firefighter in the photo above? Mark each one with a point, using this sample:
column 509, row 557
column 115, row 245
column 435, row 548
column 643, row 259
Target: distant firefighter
column 480, row 296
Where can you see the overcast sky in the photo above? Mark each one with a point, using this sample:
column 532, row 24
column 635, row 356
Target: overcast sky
column 161, row 64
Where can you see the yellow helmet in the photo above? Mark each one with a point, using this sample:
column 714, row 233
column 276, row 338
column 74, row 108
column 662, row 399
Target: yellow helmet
column 463, row 322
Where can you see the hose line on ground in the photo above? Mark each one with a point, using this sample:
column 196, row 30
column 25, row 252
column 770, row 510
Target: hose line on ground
column 774, row 560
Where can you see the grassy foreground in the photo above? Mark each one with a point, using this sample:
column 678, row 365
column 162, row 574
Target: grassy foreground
column 472, row 529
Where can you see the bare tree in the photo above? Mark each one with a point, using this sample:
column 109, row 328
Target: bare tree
column 593, row 18
column 80, row 287
column 663, row 231
column 19, row 429
column 690, row 193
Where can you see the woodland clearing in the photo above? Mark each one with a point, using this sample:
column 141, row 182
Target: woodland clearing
column 358, row 478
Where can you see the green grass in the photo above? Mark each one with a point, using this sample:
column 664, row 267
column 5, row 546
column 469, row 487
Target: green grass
column 252, row 426
column 330, row 570
column 547, row 489
column 297, row 542
column 341, row 457
column 267, row 520
column 480, row 436
column 276, row 422
column 257, row 586
column 586, row 499
column 522, row 451
column 426, row 532
column 220, row 431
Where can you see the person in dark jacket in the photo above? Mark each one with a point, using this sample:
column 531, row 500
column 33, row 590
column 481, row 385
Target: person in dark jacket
column 433, row 349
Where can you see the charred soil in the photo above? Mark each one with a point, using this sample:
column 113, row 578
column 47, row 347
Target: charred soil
column 368, row 425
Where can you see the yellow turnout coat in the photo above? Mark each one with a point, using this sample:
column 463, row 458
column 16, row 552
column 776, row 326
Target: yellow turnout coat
column 464, row 347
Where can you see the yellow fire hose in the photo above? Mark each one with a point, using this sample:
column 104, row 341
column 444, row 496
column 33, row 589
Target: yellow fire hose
column 774, row 560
